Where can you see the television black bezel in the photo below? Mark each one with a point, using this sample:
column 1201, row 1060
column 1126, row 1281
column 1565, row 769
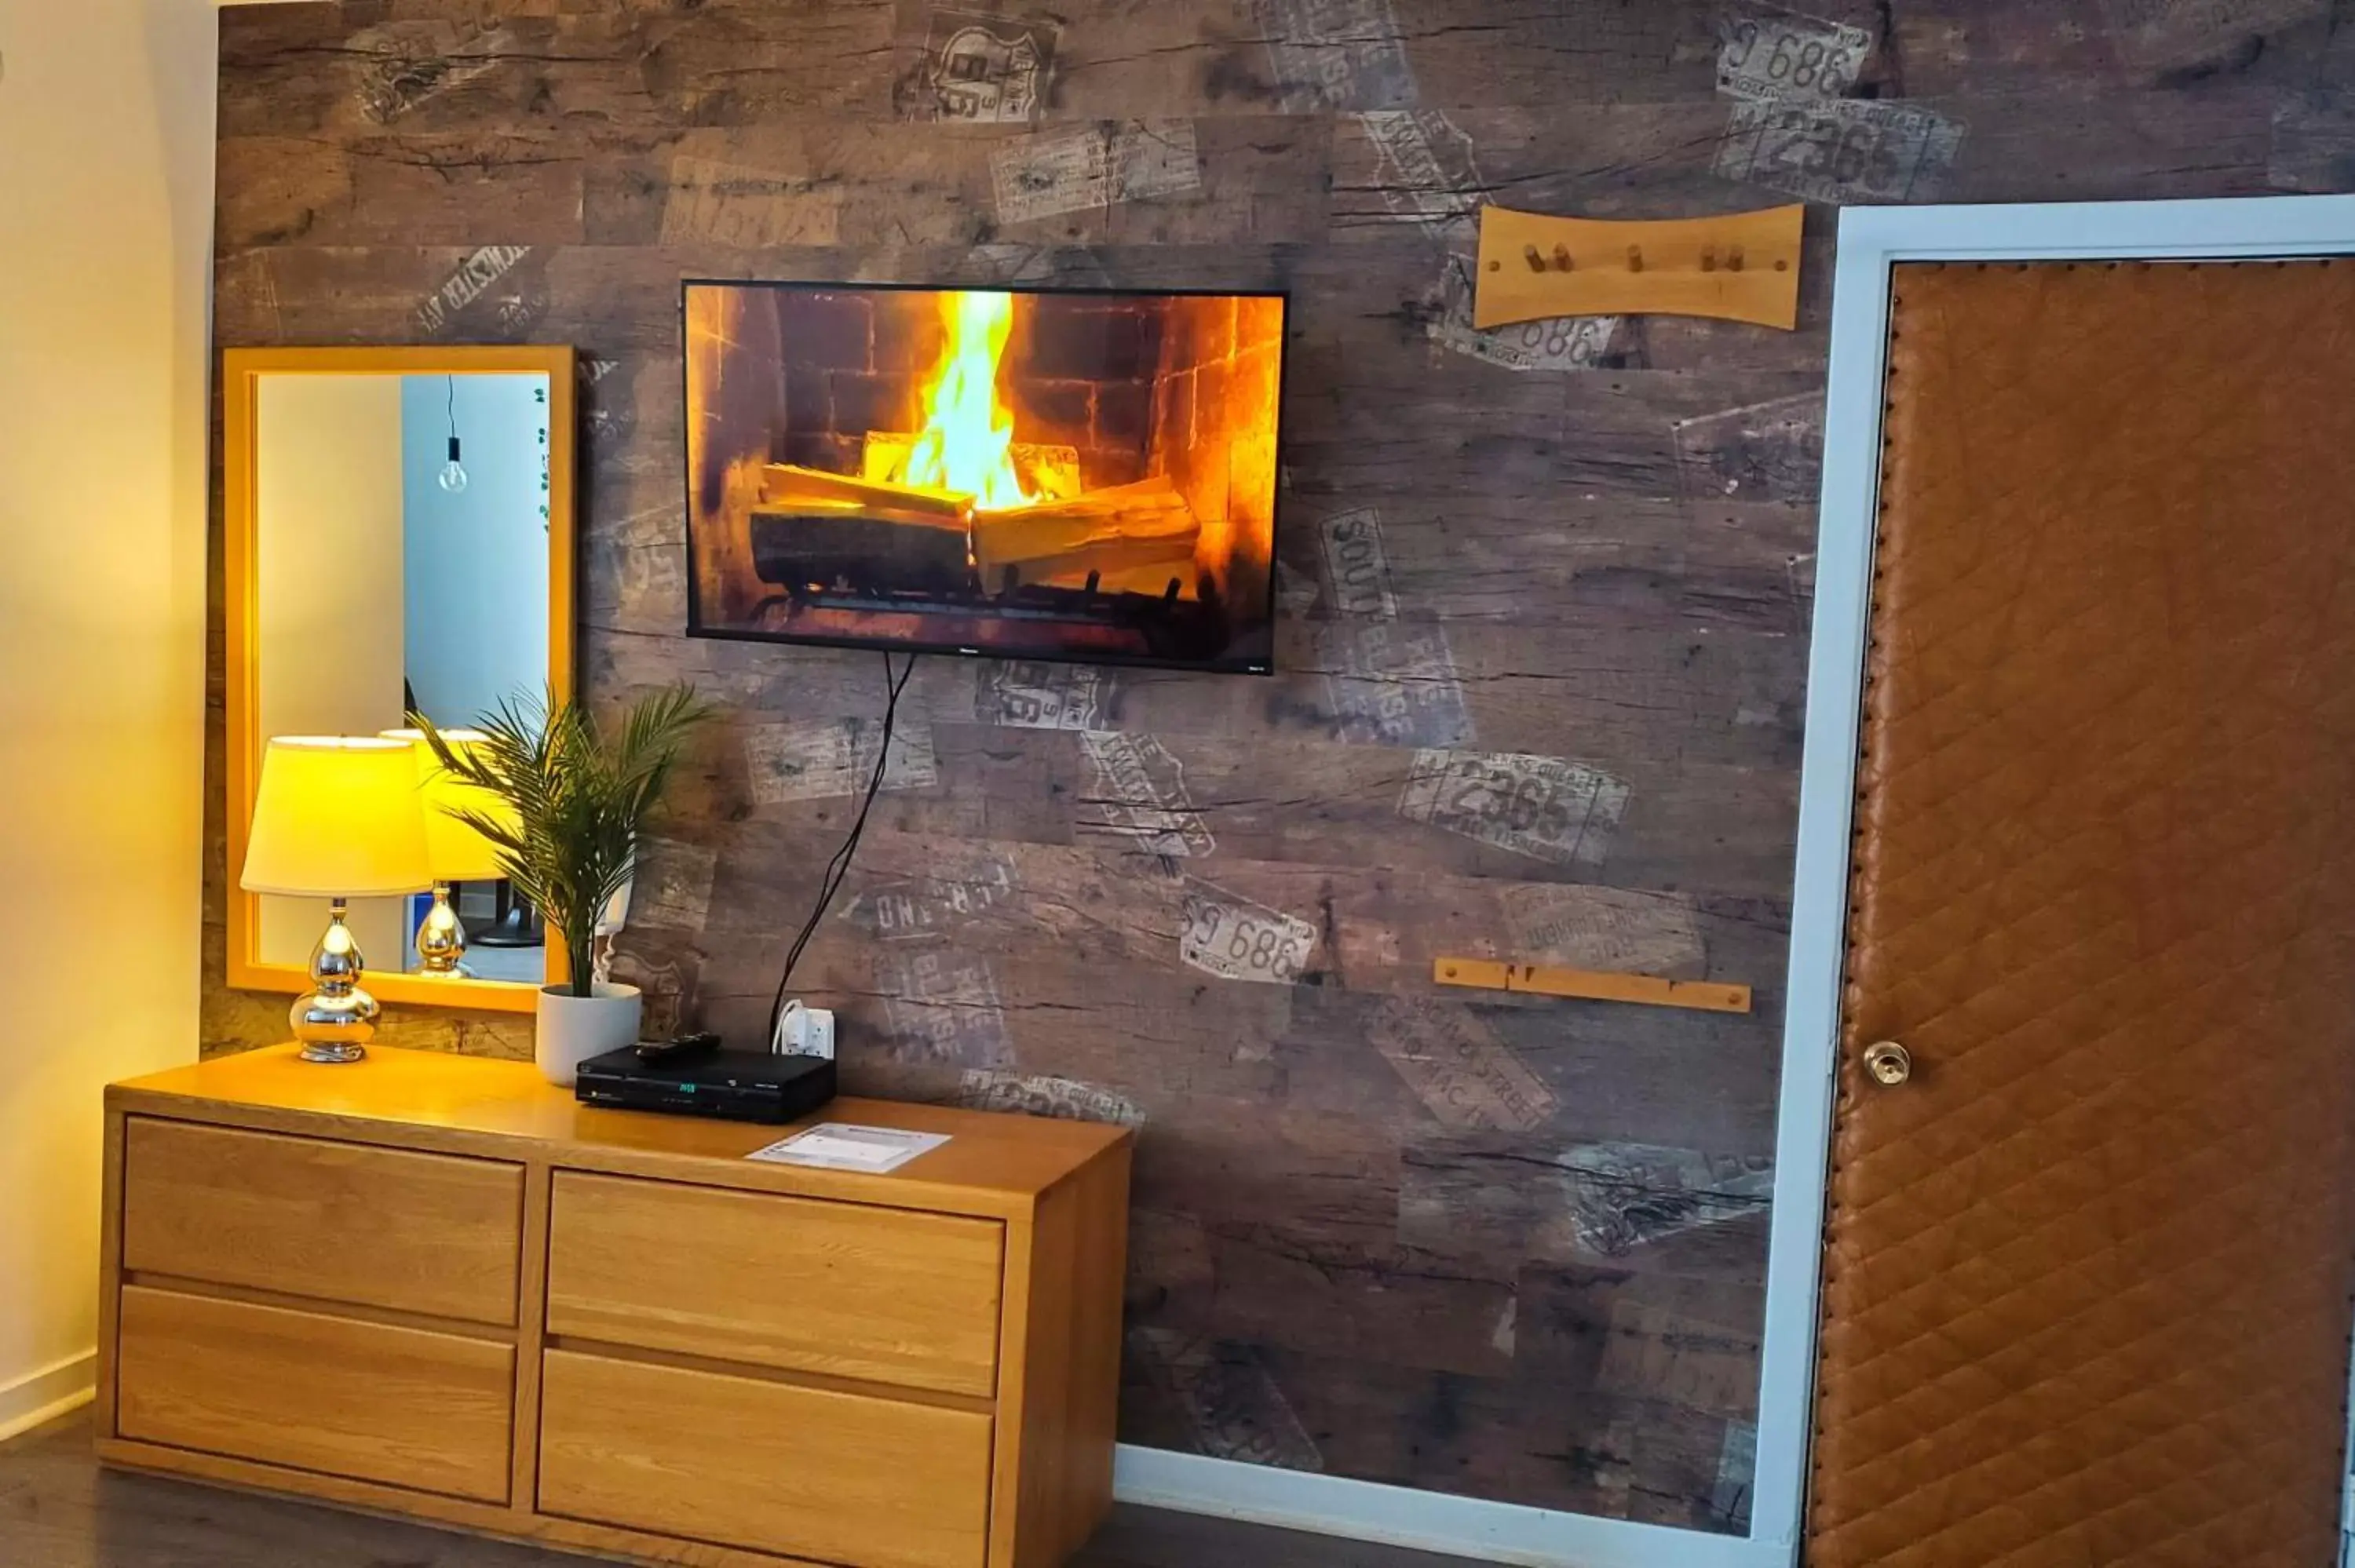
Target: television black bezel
column 959, row 650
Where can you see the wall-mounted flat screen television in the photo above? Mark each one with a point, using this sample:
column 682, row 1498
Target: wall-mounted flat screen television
column 1025, row 473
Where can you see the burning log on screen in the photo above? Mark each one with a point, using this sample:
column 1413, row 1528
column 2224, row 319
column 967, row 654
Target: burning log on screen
column 1135, row 537
column 813, row 527
column 789, row 487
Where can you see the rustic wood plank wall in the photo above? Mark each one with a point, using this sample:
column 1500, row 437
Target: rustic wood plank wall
column 1507, row 1247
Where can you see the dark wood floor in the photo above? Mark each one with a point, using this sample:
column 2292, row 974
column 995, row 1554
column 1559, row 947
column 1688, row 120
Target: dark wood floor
column 59, row 1510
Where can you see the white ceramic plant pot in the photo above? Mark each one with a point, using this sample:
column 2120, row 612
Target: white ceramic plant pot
column 574, row 1028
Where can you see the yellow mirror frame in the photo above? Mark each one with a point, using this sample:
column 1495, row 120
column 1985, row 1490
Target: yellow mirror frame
column 240, row 371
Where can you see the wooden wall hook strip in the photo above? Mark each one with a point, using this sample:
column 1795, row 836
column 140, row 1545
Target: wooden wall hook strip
column 1590, row 985
column 1741, row 265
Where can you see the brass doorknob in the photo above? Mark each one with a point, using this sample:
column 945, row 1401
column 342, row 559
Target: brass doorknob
column 1888, row 1062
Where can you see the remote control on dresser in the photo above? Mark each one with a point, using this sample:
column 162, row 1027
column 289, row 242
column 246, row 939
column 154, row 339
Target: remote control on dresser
column 678, row 1047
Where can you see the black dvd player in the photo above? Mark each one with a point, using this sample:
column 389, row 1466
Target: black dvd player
column 737, row 1086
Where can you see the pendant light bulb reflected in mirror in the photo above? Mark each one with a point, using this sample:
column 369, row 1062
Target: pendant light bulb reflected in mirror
column 453, row 472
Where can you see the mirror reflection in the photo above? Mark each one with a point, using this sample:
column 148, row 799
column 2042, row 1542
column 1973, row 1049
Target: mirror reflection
column 401, row 563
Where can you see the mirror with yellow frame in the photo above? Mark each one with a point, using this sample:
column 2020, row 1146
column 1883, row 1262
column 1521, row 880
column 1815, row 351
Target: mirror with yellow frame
column 398, row 537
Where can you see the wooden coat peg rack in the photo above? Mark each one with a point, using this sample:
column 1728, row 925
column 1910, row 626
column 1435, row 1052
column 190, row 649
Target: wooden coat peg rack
column 1592, row 985
column 1742, row 267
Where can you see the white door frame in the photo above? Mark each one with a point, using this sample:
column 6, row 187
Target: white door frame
column 1872, row 240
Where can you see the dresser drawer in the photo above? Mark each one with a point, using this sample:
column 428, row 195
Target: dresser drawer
column 853, row 1291
column 431, row 1234
column 741, row 1461
column 405, row 1407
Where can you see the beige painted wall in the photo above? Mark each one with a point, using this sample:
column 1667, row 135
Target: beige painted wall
column 329, row 555
column 106, row 134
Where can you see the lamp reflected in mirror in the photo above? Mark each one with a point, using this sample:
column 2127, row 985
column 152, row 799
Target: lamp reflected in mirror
column 455, row 851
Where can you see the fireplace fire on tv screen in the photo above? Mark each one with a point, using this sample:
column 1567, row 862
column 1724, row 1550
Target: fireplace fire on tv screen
column 1042, row 475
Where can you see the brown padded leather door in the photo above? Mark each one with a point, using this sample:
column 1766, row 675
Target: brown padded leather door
column 2086, row 1284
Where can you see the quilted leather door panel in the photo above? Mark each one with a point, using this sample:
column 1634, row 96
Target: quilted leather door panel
column 2088, row 1272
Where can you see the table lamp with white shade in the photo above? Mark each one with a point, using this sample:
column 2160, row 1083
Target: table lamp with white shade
column 336, row 816
column 454, row 851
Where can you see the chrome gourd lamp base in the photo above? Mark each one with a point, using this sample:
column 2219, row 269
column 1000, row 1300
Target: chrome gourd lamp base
column 442, row 939
column 336, row 1017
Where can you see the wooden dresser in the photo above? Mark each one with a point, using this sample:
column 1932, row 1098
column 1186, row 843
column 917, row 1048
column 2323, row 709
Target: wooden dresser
column 434, row 1286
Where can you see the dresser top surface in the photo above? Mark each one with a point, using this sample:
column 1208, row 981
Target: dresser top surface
column 507, row 1109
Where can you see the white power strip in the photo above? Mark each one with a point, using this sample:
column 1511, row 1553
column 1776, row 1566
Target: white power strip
column 803, row 1031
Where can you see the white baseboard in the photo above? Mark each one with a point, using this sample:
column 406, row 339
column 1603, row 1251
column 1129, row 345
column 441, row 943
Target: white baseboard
column 48, row 1393
column 1428, row 1521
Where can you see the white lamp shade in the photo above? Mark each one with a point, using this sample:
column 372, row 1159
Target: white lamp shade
column 456, row 851
column 336, row 816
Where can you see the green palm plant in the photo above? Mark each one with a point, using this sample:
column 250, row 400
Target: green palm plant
column 581, row 792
